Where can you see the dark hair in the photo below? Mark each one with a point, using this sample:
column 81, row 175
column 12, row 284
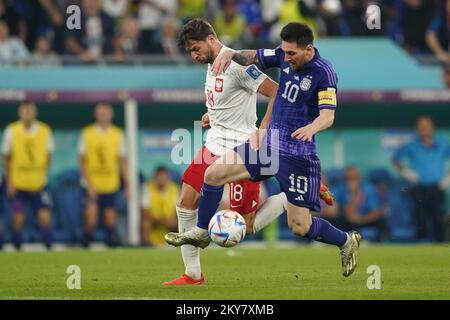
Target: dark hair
column 27, row 103
column 424, row 117
column 160, row 169
column 103, row 103
column 297, row 32
column 195, row 30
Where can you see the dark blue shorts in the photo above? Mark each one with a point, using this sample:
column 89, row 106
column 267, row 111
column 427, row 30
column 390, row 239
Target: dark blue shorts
column 36, row 200
column 298, row 176
column 105, row 200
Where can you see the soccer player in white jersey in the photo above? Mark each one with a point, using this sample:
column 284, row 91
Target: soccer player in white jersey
column 231, row 102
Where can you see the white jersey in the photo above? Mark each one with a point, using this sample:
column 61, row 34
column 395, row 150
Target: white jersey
column 231, row 102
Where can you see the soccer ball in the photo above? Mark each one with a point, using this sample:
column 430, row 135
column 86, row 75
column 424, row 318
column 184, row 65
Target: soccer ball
column 227, row 228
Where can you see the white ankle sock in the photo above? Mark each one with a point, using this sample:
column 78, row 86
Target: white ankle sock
column 187, row 219
column 347, row 242
column 271, row 209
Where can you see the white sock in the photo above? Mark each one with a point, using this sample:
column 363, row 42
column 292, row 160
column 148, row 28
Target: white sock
column 271, row 209
column 187, row 219
column 347, row 242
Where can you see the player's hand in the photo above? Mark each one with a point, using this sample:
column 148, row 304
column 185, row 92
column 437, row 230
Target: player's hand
column 222, row 62
column 305, row 133
column 256, row 138
column 205, row 121
column 410, row 175
column 11, row 190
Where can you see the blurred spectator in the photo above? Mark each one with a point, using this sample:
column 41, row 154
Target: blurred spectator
column 293, row 11
column 12, row 49
column 152, row 15
column 359, row 204
column 116, row 8
column 43, row 56
column 102, row 156
column 330, row 12
column 438, row 34
column 159, row 198
column 270, row 10
column 189, row 9
column 251, row 11
column 416, row 20
column 27, row 151
column 127, row 43
column 97, row 33
column 427, row 155
column 169, row 30
column 53, row 24
column 17, row 26
column 230, row 25
column 355, row 16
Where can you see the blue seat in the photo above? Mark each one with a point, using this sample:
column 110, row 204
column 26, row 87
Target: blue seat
column 397, row 204
column 335, row 177
column 400, row 217
column 68, row 206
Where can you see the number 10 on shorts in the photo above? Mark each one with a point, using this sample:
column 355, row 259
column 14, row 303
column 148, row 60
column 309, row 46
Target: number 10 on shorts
column 299, row 184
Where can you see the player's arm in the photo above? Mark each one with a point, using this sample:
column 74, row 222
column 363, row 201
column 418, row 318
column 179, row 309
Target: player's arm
column 268, row 88
column 432, row 40
column 6, row 152
column 92, row 194
column 124, row 166
column 353, row 216
column 406, row 172
column 242, row 57
column 84, row 173
column 205, row 121
column 352, row 210
column 50, row 150
column 322, row 122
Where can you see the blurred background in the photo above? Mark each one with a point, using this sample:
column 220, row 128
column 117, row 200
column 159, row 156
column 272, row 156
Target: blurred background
column 386, row 158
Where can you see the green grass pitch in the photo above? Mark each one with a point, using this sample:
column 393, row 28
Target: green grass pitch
column 303, row 272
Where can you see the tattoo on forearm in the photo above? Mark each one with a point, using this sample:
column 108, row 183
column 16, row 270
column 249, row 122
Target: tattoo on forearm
column 245, row 57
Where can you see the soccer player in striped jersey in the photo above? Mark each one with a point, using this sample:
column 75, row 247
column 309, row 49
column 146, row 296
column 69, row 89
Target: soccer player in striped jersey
column 305, row 105
column 231, row 102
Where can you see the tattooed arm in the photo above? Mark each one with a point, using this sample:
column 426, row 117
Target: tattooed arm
column 242, row 57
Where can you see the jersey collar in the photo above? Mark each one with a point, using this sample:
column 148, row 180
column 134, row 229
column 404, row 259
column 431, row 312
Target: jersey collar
column 33, row 128
column 313, row 60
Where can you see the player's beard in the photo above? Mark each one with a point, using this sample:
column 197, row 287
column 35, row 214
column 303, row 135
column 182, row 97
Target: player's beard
column 209, row 57
column 299, row 64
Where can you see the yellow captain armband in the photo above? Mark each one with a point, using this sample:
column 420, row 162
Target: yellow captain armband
column 327, row 97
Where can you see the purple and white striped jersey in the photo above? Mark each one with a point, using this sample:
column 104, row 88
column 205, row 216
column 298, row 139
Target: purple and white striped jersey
column 301, row 94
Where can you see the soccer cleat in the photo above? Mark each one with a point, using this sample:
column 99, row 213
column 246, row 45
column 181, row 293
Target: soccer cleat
column 185, row 280
column 326, row 195
column 349, row 253
column 196, row 237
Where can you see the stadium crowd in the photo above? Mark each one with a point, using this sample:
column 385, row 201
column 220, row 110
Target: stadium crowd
column 35, row 32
